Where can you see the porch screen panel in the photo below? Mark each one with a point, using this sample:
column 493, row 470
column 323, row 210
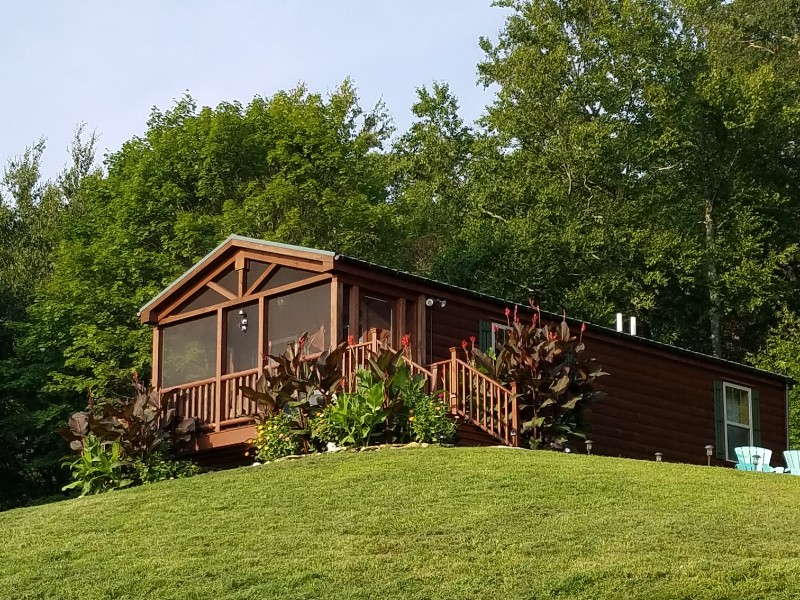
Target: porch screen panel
column 241, row 353
column 284, row 276
column 189, row 351
column 291, row 315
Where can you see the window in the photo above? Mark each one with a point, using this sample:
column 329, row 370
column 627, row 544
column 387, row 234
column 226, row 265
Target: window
column 738, row 417
column 499, row 334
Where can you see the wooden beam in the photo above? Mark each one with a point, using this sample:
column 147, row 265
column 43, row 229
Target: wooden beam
column 262, row 336
column 400, row 321
column 221, row 290
column 334, row 312
column 201, row 283
column 241, row 270
column 221, row 350
column 270, row 269
column 155, row 377
column 421, row 331
column 352, row 326
column 322, row 277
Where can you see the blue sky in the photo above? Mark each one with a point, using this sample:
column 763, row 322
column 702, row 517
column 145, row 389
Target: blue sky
column 106, row 64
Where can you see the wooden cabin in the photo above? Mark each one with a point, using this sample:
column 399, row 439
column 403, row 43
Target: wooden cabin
column 217, row 324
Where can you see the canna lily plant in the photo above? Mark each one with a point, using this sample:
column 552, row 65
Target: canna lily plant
column 554, row 380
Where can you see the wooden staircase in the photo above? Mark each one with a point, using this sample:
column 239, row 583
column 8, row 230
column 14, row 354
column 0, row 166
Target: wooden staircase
column 486, row 412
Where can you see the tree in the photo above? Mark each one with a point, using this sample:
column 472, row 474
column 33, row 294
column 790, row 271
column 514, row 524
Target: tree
column 644, row 151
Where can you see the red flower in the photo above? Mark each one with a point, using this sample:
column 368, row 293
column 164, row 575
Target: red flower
column 135, row 376
column 495, row 327
column 583, row 327
column 351, row 341
column 535, row 318
column 464, row 345
column 405, row 342
column 472, row 339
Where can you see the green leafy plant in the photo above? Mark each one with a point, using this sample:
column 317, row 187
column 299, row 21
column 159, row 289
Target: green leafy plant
column 357, row 418
column 276, row 437
column 128, row 439
column 297, row 385
column 430, row 421
column 99, row 468
column 554, row 381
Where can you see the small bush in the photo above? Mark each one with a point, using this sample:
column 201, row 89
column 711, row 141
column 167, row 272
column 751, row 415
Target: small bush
column 161, row 466
column 276, row 437
column 430, row 421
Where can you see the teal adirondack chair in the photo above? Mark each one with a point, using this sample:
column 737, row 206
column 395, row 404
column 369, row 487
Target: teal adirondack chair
column 745, row 456
column 792, row 460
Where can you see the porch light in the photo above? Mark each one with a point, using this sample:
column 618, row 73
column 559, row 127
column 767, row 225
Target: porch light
column 709, row 452
column 658, row 456
column 588, row 446
column 431, row 301
column 242, row 320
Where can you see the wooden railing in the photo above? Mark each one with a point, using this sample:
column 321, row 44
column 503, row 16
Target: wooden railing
column 238, row 408
column 472, row 395
column 196, row 400
column 479, row 399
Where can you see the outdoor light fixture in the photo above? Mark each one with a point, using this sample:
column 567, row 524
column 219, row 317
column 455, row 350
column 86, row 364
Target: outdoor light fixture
column 431, row 301
column 709, row 452
column 756, row 460
column 242, row 320
column 588, row 446
column 658, row 456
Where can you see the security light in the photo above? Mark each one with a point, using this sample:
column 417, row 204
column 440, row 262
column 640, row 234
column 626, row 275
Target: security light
column 588, row 446
column 709, row 452
column 429, row 302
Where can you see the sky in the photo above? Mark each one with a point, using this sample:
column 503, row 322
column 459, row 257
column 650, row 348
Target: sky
column 107, row 64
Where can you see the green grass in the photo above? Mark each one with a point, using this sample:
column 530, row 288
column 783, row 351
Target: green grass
column 423, row 523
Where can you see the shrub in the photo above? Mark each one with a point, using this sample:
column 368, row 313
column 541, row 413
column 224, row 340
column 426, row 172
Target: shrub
column 554, row 381
column 430, row 421
column 126, row 441
column 357, row 418
column 276, row 437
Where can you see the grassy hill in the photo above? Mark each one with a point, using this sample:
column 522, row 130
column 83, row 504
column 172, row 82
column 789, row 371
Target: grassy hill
column 422, row 523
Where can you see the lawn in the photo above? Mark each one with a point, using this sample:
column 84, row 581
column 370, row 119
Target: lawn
column 419, row 523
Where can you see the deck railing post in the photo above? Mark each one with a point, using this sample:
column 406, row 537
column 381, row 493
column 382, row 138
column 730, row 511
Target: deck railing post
column 514, row 441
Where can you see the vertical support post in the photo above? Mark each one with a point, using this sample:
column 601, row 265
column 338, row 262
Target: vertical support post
column 514, row 415
column 219, row 396
column 453, row 385
column 401, row 322
column 262, row 328
column 241, row 270
column 354, row 309
column 155, row 376
column 421, row 332
column 335, row 312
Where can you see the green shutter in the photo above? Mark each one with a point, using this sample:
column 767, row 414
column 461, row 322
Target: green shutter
column 484, row 335
column 756, row 408
column 719, row 417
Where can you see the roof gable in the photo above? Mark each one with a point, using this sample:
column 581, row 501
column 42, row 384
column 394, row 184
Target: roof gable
column 234, row 249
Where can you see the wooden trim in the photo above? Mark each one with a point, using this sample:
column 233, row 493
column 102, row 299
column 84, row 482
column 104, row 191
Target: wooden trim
column 286, row 253
column 289, row 287
column 221, row 290
column 155, row 376
column 421, row 343
column 355, row 305
column 334, row 312
column 221, row 351
column 269, row 270
column 241, row 269
column 189, row 384
column 400, row 307
column 192, row 290
column 262, row 328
